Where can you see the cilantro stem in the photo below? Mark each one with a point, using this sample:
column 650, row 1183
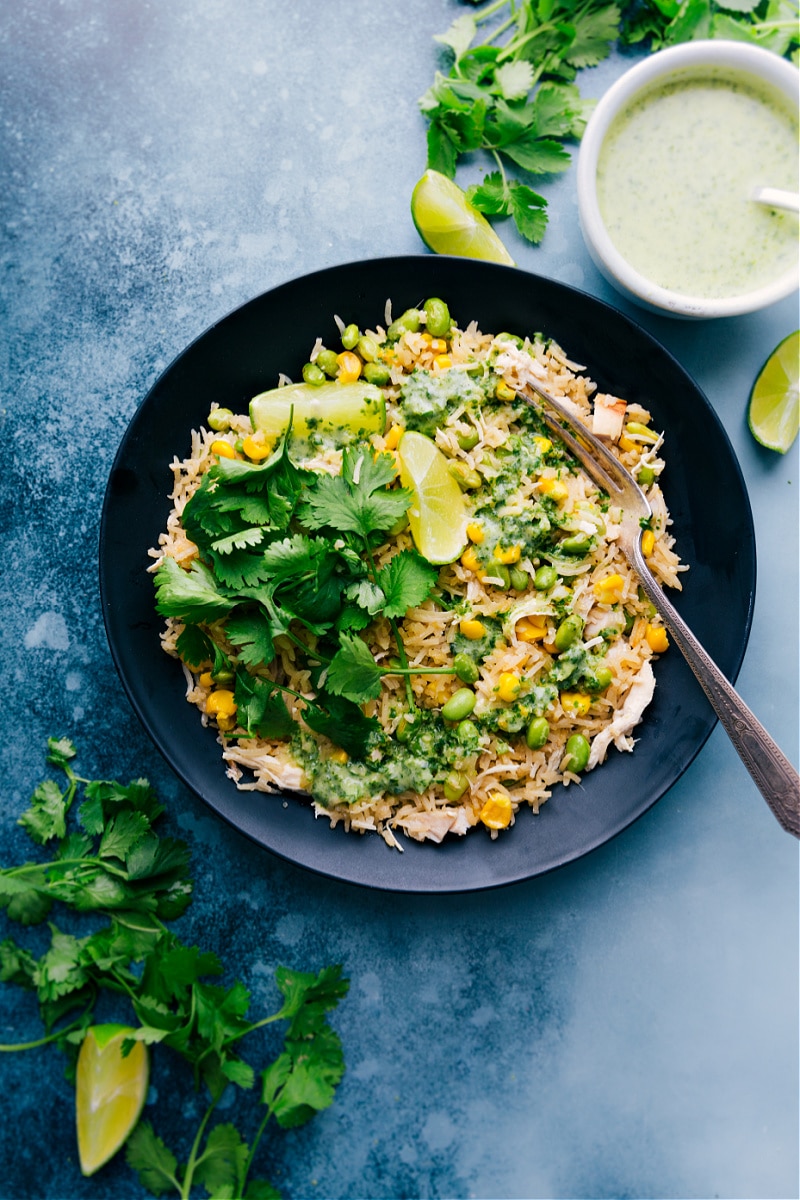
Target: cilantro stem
column 65, row 862
column 6, row 1048
column 194, row 1157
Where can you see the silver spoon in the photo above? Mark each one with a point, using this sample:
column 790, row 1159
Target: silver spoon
column 777, row 198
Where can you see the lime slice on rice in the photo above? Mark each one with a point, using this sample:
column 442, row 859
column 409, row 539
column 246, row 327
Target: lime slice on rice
column 110, row 1091
column 774, row 411
column 437, row 515
column 448, row 223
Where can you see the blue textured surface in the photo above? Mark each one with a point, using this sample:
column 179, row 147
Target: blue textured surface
column 626, row 1027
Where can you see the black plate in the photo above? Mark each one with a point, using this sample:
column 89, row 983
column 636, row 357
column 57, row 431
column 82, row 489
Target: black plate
column 243, row 354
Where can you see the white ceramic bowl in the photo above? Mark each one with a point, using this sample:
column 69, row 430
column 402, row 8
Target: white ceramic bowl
column 694, row 58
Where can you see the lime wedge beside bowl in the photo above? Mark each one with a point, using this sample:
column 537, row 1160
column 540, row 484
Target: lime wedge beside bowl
column 449, row 224
column 438, row 515
column 774, row 409
column 110, row 1091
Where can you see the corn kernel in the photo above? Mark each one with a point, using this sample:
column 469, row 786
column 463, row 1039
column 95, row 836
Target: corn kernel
column 388, row 354
column 657, row 638
column 577, row 704
column 438, row 345
column 626, row 443
column 442, row 362
column 553, row 488
column 339, row 756
column 504, row 392
column 392, row 439
column 472, row 628
column 508, row 686
column 507, row 554
column 206, row 679
column 222, row 448
column 475, row 532
column 255, row 449
column 427, row 339
column 542, row 443
column 221, row 704
column 648, row 542
column 530, row 629
column 496, row 812
column 609, row 590
column 349, row 367
column 469, row 559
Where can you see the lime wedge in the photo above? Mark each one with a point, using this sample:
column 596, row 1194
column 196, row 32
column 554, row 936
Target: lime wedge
column 774, row 412
column 448, row 224
column 109, row 1093
column 356, row 408
column 438, row 514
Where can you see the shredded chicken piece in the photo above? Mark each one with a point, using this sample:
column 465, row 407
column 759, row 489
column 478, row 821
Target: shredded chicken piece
column 434, row 826
column 626, row 719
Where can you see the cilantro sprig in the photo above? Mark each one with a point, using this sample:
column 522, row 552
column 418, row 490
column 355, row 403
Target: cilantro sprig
column 288, row 552
column 107, row 858
column 509, row 92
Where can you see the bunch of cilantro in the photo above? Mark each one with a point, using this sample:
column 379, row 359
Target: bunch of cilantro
column 284, row 551
column 510, row 92
column 111, row 862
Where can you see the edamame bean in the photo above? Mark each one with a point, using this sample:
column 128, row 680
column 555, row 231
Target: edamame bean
column 577, row 753
column 467, row 479
column 313, row 374
column 455, row 785
column 510, row 337
column 499, row 575
column 404, row 730
column 468, row 441
column 408, row 322
column 568, row 632
column 437, row 318
column 327, row 360
column 545, row 578
column 368, row 348
column 519, row 579
column 220, row 419
column 465, row 668
column 467, row 731
column 377, row 373
column 602, row 679
column 577, row 543
column 460, row 705
column 645, row 477
column 223, row 675
column 537, row 733
column 350, row 336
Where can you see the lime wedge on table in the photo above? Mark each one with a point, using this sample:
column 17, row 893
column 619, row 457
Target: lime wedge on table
column 448, row 223
column 109, row 1093
column 357, row 408
column 438, row 514
column 774, row 412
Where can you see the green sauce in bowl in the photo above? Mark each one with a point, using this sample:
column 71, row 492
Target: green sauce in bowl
column 675, row 178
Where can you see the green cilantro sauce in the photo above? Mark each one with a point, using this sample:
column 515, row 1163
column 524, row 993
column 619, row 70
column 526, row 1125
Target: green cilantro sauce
column 675, row 178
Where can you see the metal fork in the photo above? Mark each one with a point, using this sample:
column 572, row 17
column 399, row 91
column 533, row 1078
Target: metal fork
column 774, row 775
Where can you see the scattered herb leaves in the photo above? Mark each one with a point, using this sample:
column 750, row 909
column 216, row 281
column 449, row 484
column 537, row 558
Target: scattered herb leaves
column 509, row 91
column 115, row 864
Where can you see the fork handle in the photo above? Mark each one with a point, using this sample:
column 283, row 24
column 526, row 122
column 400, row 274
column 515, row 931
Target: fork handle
column 774, row 775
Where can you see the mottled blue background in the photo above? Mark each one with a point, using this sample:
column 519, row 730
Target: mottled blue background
column 626, row 1027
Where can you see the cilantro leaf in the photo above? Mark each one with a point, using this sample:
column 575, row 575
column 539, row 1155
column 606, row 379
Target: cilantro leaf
column 153, row 1161
column 540, row 156
column 222, row 1164
column 60, row 751
column 406, row 581
column 251, row 633
column 529, row 211
column 196, row 648
column 357, row 501
column 514, row 79
column 343, row 722
column 595, row 31
column 353, row 672
column 261, row 709
column 46, row 816
column 491, row 196
column 192, row 595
